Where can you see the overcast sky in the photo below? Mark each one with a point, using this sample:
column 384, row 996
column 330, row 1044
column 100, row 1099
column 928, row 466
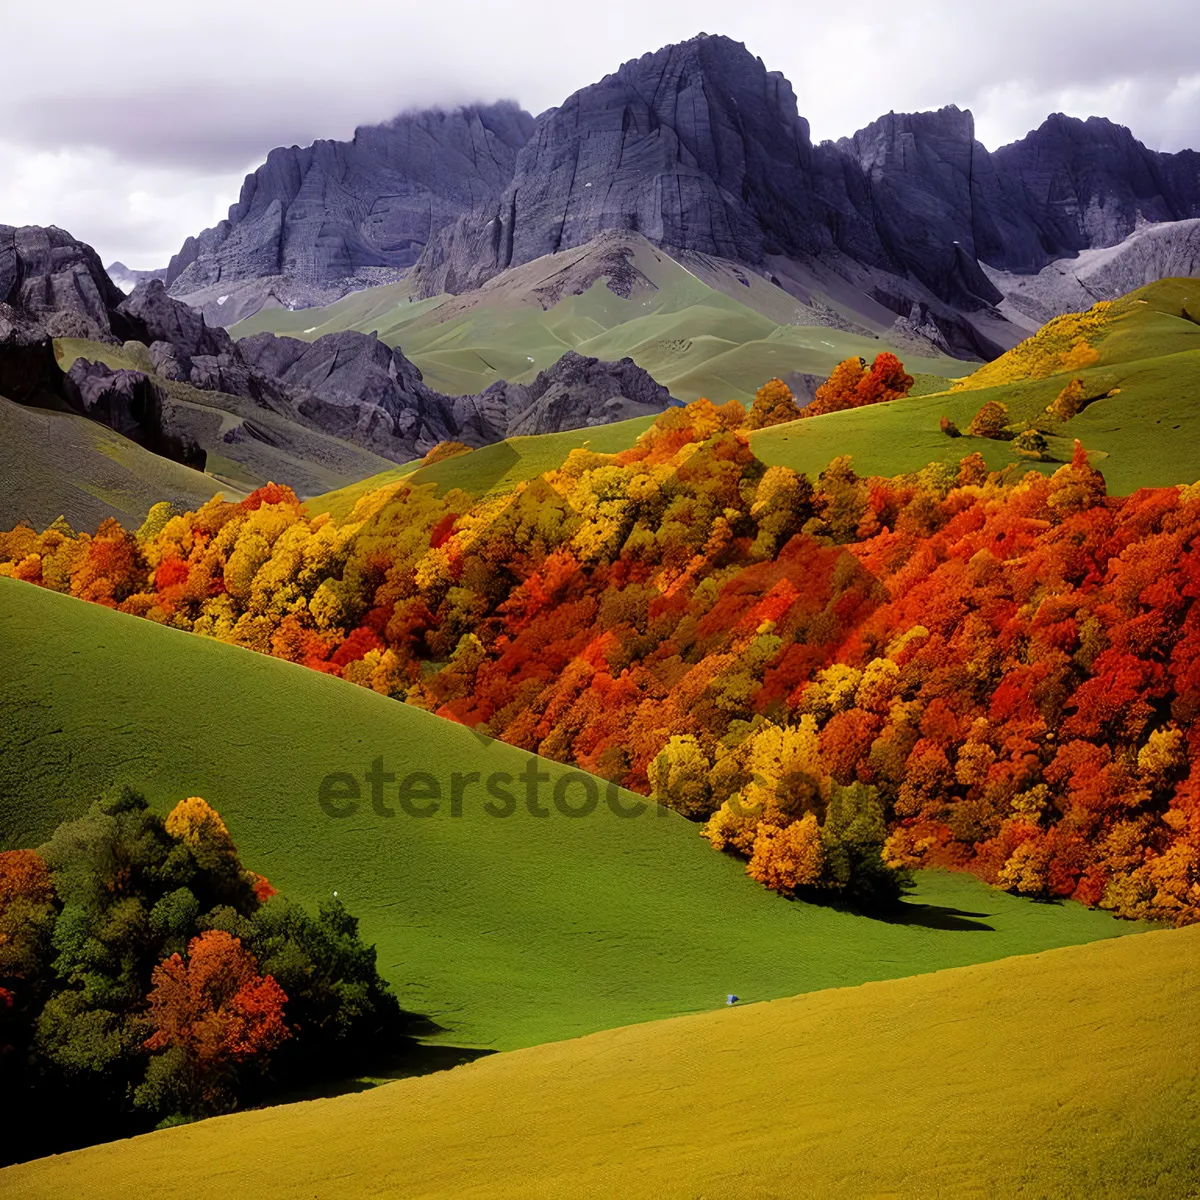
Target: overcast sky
column 132, row 124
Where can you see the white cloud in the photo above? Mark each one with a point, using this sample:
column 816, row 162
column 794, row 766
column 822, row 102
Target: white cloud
column 133, row 212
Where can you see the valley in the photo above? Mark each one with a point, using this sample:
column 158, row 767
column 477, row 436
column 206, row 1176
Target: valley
column 627, row 650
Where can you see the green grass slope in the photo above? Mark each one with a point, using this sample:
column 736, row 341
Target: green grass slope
column 59, row 464
column 695, row 338
column 508, row 931
column 1148, row 435
column 491, row 470
column 1065, row 1074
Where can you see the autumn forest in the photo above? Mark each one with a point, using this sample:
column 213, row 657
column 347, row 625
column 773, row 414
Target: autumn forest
column 839, row 681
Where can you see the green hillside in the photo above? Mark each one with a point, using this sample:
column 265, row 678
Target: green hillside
column 509, row 931
column 491, row 470
column 1147, row 435
column 694, row 337
column 59, row 464
column 1065, row 1074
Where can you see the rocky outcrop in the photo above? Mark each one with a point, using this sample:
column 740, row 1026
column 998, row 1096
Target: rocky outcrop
column 183, row 347
column 357, row 387
column 59, row 281
column 161, row 318
column 325, row 211
column 1066, row 285
column 132, row 404
column 577, row 392
column 29, row 372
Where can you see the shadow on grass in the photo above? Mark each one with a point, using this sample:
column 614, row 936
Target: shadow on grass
column 412, row 1057
column 910, row 912
column 932, row 916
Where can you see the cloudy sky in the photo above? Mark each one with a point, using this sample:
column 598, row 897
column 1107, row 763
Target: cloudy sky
column 134, row 123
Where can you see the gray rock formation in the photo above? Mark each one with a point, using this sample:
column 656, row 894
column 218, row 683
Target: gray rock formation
column 161, row 318
column 353, row 385
column 323, row 212
column 697, row 147
column 700, row 148
column 577, row 392
column 49, row 275
column 1074, row 185
column 132, row 404
column 29, row 372
column 280, row 398
column 1072, row 284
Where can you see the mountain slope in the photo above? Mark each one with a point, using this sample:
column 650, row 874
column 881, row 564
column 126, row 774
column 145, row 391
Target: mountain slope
column 701, row 148
column 507, row 930
column 698, row 325
column 1064, row 1074
column 1144, row 436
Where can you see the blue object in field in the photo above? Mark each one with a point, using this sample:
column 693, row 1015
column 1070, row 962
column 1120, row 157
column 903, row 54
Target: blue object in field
column 731, row 999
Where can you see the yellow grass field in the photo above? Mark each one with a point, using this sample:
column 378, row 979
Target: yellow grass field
column 1072, row 1073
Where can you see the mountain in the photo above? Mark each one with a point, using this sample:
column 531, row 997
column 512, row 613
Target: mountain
column 126, row 278
column 359, row 210
column 701, row 149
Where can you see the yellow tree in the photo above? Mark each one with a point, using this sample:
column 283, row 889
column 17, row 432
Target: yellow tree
column 773, row 404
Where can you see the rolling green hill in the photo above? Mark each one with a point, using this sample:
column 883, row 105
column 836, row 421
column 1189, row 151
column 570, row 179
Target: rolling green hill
column 1065, row 1074
column 1147, row 435
column 491, row 470
column 722, row 336
column 59, row 464
column 507, row 930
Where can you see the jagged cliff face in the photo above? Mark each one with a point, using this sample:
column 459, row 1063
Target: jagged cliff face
column 698, row 147
column 46, row 273
column 325, row 211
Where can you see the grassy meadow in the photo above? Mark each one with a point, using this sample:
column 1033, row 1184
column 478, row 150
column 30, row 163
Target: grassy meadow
column 1147, row 435
column 1058, row 1075
column 59, row 464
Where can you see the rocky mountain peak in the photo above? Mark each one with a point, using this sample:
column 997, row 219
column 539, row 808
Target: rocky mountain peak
column 328, row 210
